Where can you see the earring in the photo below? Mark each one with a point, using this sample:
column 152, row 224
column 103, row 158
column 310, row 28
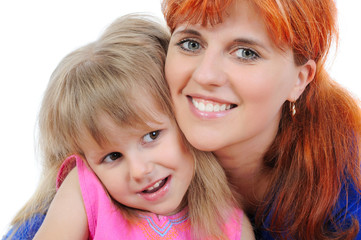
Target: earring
column 292, row 109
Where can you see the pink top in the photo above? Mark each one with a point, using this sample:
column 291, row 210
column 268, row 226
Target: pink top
column 105, row 220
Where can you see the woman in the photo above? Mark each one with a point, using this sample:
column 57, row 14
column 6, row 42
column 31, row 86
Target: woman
column 248, row 82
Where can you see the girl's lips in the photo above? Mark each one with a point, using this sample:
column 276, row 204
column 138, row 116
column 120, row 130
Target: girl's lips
column 155, row 187
column 157, row 191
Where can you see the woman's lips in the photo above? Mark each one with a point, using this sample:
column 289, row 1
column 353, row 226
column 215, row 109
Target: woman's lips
column 208, row 109
column 211, row 106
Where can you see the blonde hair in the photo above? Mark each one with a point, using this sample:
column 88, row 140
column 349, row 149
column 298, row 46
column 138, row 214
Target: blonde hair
column 105, row 77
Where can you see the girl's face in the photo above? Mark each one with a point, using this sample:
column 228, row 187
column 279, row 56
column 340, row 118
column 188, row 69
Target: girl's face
column 229, row 81
column 147, row 169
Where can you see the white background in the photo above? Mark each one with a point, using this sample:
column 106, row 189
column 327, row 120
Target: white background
column 35, row 35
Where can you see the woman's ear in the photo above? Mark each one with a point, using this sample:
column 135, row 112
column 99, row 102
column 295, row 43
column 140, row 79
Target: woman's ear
column 305, row 76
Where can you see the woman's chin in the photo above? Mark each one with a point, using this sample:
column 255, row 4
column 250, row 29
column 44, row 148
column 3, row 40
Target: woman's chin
column 204, row 143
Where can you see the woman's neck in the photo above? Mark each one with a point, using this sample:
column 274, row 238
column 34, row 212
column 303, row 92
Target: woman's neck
column 246, row 173
column 248, row 182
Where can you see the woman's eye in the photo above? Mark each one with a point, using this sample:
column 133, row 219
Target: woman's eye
column 151, row 136
column 111, row 157
column 246, row 54
column 189, row 45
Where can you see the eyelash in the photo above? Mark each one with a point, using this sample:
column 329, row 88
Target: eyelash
column 255, row 55
column 187, row 40
column 114, row 156
column 157, row 133
column 108, row 158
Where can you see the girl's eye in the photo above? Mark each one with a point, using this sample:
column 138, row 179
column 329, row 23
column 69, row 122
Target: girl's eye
column 189, row 45
column 151, row 136
column 111, row 157
column 246, row 54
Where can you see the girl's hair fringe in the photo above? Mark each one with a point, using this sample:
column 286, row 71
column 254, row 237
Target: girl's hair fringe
column 100, row 78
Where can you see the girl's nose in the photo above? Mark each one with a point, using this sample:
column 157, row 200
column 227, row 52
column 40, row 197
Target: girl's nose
column 209, row 71
column 140, row 167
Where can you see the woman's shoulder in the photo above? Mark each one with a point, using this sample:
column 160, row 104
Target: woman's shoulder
column 348, row 205
column 347, row 210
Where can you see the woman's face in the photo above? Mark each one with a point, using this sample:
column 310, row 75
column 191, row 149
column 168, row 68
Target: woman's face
column 229, row 81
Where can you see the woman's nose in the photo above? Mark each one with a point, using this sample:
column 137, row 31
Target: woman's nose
column 209, row 71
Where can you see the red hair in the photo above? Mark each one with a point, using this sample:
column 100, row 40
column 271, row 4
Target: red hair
column 316, row 152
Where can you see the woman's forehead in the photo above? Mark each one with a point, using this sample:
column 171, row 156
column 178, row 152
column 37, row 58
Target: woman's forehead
column 210, row 19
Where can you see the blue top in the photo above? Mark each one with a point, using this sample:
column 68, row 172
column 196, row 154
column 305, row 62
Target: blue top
column 347, row 207
column 28, row 229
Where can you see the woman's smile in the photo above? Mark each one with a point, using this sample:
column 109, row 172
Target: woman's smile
column 233, row 79
column 207, row 109
column 210, row 106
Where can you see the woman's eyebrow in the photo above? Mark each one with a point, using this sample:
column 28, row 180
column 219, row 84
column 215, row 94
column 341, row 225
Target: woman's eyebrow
column 250, row 42
column 240, row 40
column 187, row 31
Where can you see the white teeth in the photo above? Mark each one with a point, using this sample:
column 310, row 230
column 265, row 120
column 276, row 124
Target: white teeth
column 210, row 107
column 155, row 185
column 223, row 107
column 201, row 106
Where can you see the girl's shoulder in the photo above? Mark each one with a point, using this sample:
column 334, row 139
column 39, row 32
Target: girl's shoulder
column 66, row 211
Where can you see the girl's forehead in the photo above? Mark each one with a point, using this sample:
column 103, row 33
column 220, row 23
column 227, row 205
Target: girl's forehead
column 142, row 111
column 106, row 128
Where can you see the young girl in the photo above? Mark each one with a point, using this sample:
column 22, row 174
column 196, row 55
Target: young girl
column 130, row 174
column 248, row 82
